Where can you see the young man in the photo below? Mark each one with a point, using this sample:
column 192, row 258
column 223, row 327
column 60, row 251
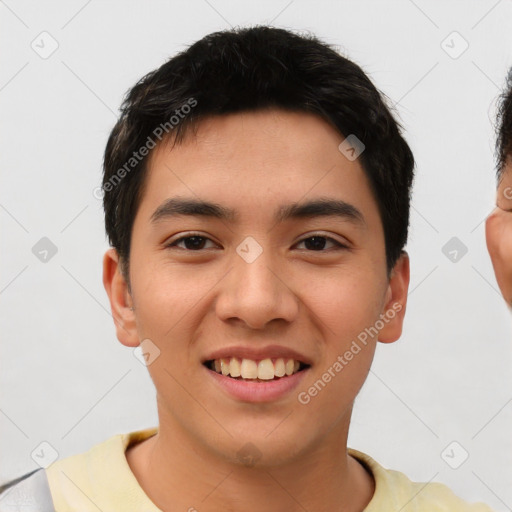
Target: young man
column 257, row 202
column 499, row 224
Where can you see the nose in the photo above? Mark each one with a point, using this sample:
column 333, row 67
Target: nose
column 257, row 293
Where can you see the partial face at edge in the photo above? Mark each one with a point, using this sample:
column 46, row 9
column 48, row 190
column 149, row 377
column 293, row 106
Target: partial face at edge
column 499, row 234
column 311, row 295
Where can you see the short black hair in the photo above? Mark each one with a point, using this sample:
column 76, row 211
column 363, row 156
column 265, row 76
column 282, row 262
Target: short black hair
column 249, row 69
column 504, row 127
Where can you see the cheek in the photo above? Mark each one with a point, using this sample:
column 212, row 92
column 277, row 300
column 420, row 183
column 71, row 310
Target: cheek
column 165, row 291
column 499, row 244
column 347, row 301
column 498, row 231
column 504, row 255
column 346, row 310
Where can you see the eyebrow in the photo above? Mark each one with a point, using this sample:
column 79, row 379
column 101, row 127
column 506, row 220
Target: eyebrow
column 320, row 207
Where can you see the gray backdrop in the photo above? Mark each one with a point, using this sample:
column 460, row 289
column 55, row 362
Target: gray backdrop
column 437, row 404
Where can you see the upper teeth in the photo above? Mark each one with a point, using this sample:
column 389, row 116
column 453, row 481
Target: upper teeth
column 266, row 369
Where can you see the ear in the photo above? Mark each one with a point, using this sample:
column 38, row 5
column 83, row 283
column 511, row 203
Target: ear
column 396, row 300
column 120, row 298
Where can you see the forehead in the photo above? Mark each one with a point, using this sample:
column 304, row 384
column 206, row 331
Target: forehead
column 253, row 161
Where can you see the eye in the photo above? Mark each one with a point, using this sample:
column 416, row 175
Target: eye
column 192, row 242
column 318, row 242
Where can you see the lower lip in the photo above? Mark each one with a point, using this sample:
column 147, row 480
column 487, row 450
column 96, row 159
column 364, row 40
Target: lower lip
column 248, row 391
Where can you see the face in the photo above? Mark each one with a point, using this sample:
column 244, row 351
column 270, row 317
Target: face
column 256, row 241
column 499, row 234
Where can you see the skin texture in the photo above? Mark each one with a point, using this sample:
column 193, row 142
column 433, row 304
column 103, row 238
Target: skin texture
column 498, row 232
column 190, row 303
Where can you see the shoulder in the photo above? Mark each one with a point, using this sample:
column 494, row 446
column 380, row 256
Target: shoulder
column 29, row 493
column 99, row 479
column 395, row 491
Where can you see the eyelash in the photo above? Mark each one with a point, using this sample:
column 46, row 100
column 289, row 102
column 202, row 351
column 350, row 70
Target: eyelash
column 339, row 245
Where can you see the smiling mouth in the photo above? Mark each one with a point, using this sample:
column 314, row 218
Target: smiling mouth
column 263, row 370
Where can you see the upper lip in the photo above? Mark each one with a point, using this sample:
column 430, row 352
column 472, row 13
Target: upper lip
column 269, row 351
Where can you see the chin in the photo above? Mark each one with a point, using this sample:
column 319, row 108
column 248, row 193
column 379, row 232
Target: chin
column 261, row 450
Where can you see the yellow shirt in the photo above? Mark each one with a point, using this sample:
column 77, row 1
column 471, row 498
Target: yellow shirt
column 101, row 479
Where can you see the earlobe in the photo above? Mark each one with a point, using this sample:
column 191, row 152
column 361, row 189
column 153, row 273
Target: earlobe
column 120, row 299
column 393, row 312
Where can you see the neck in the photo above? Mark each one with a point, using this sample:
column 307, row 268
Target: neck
column 176, row 472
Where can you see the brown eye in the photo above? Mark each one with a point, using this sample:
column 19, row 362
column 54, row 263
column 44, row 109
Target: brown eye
column 318, row 242
column 191, row 242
